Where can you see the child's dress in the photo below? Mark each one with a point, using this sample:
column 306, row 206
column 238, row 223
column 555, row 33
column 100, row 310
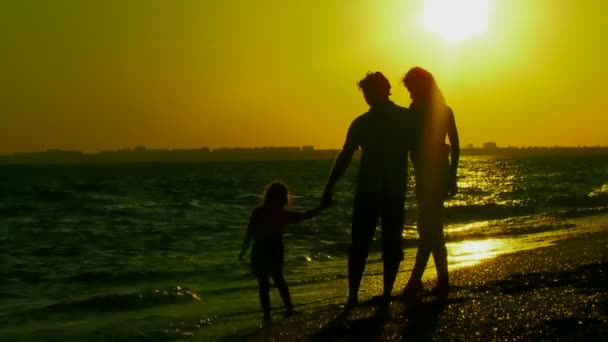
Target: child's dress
column 266, row 228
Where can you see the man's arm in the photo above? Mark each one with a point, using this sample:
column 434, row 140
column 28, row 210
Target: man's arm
column 342, row 161
column 295, row 217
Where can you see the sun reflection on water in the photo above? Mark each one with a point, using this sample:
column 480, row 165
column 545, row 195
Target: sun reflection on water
column 468, row 253
column 453, row 229
column 489, row 182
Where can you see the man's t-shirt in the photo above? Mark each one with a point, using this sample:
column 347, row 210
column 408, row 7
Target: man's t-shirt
column 385, row 135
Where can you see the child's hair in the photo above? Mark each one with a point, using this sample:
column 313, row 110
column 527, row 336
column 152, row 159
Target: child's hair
column 276, row 194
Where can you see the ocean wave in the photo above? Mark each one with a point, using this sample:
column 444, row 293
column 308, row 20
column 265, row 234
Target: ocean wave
column 99, row 197
column 520, row 225
column 54, row 195
column 130, row 301
column 191, row 204
column 122, row 209
column 582, row 212
column 599, row 192
column 473, row 212
column 328, row 252
column 598, row 199
column 16, row 210
column 133, row 277
column 11, row 296
column 504, row 229
column 30, row 277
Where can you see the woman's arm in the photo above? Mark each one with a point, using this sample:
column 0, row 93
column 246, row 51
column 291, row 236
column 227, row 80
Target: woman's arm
column 454, row 152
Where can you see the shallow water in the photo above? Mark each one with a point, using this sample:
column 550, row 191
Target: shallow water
column 129, row 251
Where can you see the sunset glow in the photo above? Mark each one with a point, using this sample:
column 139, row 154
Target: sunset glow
column 98, row 75
column 455, row 21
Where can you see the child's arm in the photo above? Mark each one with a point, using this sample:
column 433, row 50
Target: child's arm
column 294, row 217
column 247, row 240
column 245, row 247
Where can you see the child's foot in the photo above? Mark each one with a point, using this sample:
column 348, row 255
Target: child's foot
column 289, row 313
column 266, row 321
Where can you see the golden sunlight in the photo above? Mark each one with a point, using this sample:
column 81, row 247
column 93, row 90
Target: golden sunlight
column 468, row 253
column 455, row 21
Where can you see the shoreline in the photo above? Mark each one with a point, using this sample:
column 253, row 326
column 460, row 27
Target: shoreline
column 553, row 292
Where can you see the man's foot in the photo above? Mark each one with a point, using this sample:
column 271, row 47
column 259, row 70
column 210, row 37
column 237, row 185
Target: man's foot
column 441, row 291
column 380, row 300
column 351, row 303
column 413, row 289
column 383, row 311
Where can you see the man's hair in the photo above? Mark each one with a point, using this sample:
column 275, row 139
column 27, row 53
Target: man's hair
column 375, row 82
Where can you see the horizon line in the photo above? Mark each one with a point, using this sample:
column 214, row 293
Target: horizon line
column 308, row 148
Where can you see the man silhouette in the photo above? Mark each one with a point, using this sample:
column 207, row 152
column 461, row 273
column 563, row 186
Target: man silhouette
column 383, row 134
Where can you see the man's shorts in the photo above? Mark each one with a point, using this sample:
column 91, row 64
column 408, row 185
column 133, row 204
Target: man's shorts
column 366, row 212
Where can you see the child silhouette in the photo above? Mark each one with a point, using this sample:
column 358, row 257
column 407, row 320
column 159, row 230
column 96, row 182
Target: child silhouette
column 266, row 227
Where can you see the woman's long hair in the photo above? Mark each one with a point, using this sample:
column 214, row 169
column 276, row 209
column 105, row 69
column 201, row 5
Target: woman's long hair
column 428, row 101
column 424, row 89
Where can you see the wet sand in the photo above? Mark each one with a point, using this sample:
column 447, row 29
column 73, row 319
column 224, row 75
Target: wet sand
column 555, row 292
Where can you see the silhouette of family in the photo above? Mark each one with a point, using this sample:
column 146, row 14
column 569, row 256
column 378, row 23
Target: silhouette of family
column 387, row 135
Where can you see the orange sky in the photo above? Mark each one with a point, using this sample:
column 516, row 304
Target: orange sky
column 92, row 75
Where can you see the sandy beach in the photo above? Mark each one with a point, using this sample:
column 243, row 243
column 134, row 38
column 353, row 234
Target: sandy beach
column 559, row 292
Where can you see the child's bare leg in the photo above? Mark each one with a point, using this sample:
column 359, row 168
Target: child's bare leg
column 264, row 285
column 281, row 285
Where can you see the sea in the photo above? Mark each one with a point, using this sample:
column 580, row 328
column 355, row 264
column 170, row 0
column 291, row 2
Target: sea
column 149, row 252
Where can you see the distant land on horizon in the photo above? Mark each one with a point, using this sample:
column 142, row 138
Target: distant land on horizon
column 141, row 154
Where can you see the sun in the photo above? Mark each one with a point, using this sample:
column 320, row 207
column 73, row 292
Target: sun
column 456, row 20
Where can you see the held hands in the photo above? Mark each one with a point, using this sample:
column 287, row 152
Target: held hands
column 326, row 202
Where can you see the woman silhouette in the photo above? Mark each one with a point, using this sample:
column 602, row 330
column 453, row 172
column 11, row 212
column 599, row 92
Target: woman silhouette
column 435, row 165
